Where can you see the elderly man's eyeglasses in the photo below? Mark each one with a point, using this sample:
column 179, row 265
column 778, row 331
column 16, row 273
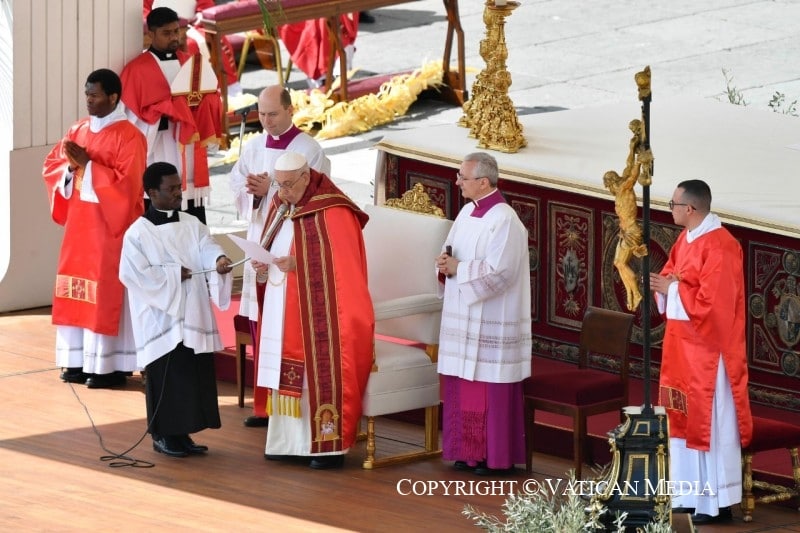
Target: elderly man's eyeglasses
column 285, row 186
column 673, row 204
column 460, row 177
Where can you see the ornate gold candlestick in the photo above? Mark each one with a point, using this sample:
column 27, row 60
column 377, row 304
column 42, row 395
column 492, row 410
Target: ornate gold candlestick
column 490, row 114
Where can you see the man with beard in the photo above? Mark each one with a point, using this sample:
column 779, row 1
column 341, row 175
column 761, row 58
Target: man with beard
column 172, row 98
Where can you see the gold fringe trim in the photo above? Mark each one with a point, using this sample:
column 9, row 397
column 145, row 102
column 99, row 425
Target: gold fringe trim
column 315, row 108
column 286, row 405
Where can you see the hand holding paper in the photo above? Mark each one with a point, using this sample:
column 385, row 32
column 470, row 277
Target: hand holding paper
column 252, row 249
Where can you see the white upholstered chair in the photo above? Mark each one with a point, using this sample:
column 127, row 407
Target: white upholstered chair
column 401, row 248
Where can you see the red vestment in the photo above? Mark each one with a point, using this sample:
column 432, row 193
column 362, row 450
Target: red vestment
column 228, row 58
column 88, row 291
column 328, row 318
column 310, row 46
column 711, row 289
column 146, row 93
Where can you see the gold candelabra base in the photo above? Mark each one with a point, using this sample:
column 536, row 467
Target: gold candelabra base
column 490, row 114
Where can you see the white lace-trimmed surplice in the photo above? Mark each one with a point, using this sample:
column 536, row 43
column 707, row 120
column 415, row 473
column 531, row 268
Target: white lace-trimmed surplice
column 486, row 318
column 165, row 310
column 256, row 158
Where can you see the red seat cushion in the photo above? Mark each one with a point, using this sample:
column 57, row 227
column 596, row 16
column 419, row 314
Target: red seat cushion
column 241, row 324
column 769, row 434
column 575, row 387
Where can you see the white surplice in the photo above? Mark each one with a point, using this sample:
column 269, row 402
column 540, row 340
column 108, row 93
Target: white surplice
column 256, row 158
column 486, row 316
column 166, row 310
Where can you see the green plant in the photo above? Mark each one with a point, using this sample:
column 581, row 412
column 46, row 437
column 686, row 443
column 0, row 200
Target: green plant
column 735, row 96
column 544, row 511
column 271, row 12
column 779, row 105
column 778, row 102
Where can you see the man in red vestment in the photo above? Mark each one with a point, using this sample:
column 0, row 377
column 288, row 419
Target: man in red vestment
column 316, row 343
column 173, row 99
column 309, row 45
column 703, row 382
column 191, row 11
column 93, row 179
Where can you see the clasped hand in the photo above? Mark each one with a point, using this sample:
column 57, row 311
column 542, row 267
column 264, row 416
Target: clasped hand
column 447, row 264
column 660, row 284
column 258, row 184
column 76, row 154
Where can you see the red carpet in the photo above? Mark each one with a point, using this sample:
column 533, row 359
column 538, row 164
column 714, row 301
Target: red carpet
column 553, row 435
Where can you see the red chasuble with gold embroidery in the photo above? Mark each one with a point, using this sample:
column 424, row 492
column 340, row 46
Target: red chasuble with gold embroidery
column 88, row 292
column 711, row 288
column 329, row 322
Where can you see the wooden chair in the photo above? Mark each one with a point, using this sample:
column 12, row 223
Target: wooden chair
column 268, row 51
column 401, row 246
column 584, row 391
column 241, row 325
column 769, row 434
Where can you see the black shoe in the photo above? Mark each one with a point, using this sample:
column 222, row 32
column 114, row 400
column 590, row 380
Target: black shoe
column 462, row 465
column 256, row 421
column 271, row 457
column 365, row 17
column 327, row 462
column 683, row 510
column 73, row 375
column 105, row 381
column 190, row 446
column 483, row 470
column 724, row 515
column 168, row 446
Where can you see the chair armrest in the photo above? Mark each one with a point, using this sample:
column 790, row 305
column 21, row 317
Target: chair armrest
column 407, row 306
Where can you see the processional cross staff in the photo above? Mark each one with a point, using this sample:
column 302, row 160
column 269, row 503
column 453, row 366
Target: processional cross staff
column 634, row 240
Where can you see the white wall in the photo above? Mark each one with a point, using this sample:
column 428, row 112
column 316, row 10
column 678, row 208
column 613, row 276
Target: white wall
column 55, row 45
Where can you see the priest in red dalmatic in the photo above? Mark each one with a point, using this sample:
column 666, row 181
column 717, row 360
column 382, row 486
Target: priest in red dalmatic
column 172, row 98
column 94, row 182
column 703, row 382
column 317, row 324
column 310, row 46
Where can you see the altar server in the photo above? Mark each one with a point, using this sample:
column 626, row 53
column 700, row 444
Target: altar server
column 173, row 269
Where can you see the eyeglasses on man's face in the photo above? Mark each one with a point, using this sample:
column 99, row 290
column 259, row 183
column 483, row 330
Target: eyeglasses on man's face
column 460, row 177
column 286, row 185
column 672, row 204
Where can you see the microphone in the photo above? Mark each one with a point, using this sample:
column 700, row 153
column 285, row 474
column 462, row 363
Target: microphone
column 276, row 223
column 449, row 251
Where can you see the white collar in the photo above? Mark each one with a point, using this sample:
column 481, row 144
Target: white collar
column 709, row 224
column 98, row 123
